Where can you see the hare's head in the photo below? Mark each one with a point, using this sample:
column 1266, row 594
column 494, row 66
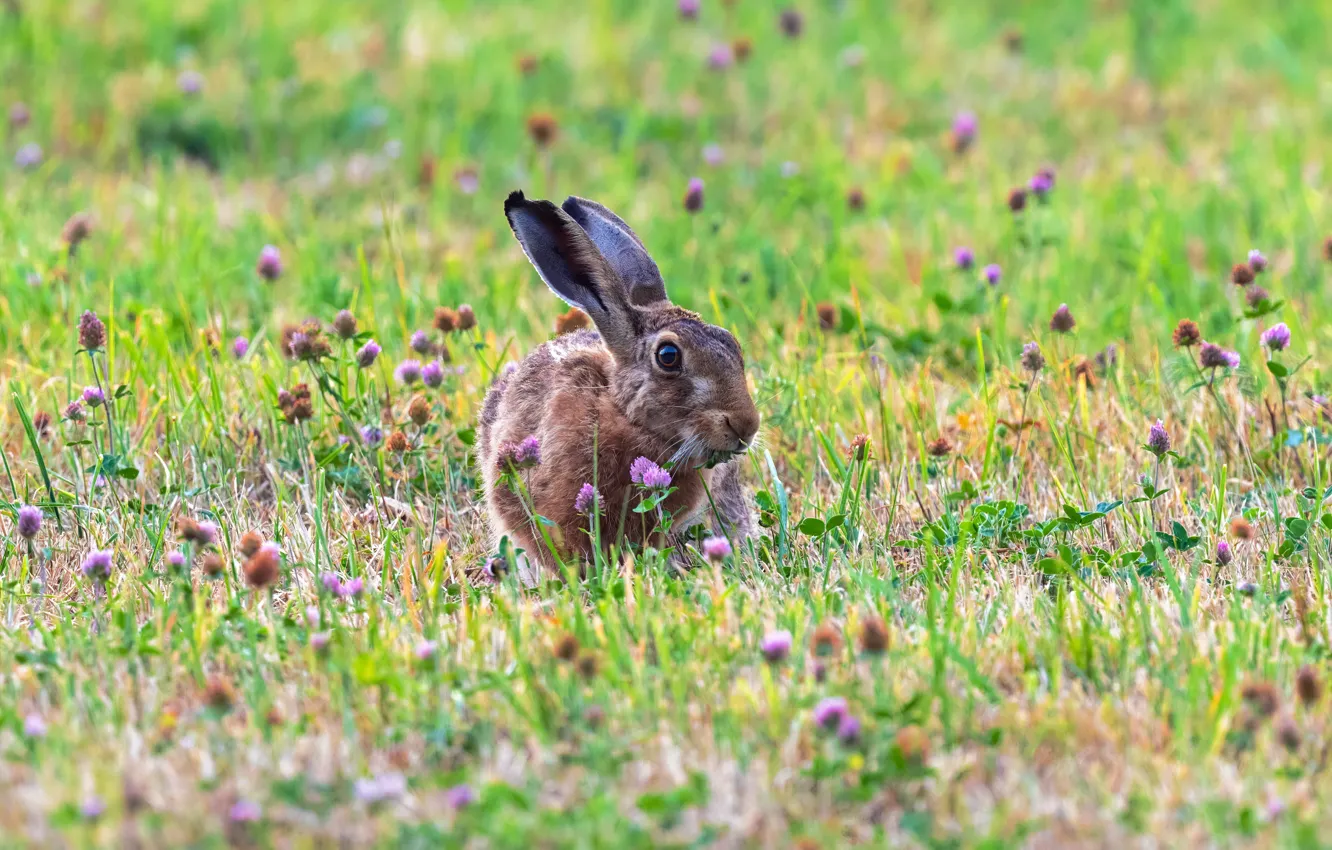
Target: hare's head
column 675, row 376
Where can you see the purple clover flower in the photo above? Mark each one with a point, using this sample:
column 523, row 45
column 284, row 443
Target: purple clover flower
column 28, row 156
column 1213, row 356
column 368, row 353
column 776, row 645
column 269, row 264
column 1158, row 439
column 528, row 452
column 716, row 549
column 1257, row 262
column 993, row 274
column 244, row 811
column 460, row 796
column 588, row 500
column 848, row 729
column 829, row 712
column 408, row 372
column 1223, row 554
column 29, row 521
column 1277, row 337
column 372, row 436
column 93, row 396
column 97, row 566
column 425, row 650
column 421, row 343
column 240, row 346
column 964, row 258
column 432, row 374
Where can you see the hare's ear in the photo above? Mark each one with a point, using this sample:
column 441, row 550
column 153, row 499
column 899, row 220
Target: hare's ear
column 622, row 249
column 570, row 264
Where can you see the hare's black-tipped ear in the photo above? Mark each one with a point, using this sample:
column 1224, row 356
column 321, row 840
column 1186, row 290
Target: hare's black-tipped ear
column 572, row 266
column 622, row 249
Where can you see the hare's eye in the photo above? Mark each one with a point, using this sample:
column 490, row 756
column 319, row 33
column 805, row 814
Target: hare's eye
column 669, row 357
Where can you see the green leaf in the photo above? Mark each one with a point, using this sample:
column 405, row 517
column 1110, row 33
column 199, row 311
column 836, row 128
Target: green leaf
column 812, row 526
column 835, row 521
column 128, row 472
column 1277, row 369
column 467, row 436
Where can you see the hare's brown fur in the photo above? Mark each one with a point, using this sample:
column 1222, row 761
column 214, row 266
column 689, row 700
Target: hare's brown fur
column 597, row 400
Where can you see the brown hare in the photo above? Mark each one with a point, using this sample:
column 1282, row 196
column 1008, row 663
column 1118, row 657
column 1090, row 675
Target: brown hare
column 652, row 381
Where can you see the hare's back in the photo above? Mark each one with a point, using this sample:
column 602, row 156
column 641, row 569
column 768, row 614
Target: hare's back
column 519, row 400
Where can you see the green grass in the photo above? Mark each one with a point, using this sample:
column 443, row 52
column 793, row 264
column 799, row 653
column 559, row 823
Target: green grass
column 1067, row 662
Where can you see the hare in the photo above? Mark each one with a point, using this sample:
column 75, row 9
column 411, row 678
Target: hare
column 653, row 380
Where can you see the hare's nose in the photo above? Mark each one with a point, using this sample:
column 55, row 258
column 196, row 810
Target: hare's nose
column 743, row 427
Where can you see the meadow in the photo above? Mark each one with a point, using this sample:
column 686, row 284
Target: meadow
column 1032, row 299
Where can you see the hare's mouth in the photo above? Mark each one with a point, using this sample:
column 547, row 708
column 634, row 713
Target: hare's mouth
column 716, row 457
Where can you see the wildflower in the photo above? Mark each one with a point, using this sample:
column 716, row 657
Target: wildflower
column 1241, row 275
column 262, row 568
column 41, row 423
column 720, row 57
column 1017, row 200
column 829, row 712
column 213, row 565
column 1262, row 697
column 992, row 274
column 776, row 645
column 693, row 199
column 381, row 788
column 939, row 448
column 587, row 665
column 713, row 155
column 1246, row 588
column 466, row 317
column 1242, row 529
column 828, row 315
column 269, row 264
column 1158, row 439
column 588, row 500
column 432, row 374
column 716, row 549
column 855, row 199
column 29, row 521
column 240, row 346
column 528, row 452
column 1277, row 337
column 566, row 647
column 368, row 353
column 964, row 131
column 1062, row 321
column 1186, row 334
column 1223, row 554
column 421, row 343
column 874, row 635
column 34, row 726
column 419, row 411
column 460, row 796
column 354, row 588
column 466, row 179
column 408, row 372
column 331, row 583
column 573, row 320
column 92, row 333
column 19, row 115
column 495, row 568
column 1257, row 262
column 77, row 228
column 1032, row 359
column 344, row 324
column 528, row 64
column 97, row 566
column 542, row 128
column 860, row 447
column 74, row 412
column 848, row 730
column 964, row 258
column 92, row 808
column 1307, row 686
column 649, row 475
column 688, row 9
column 205, row 533
column 308, row 344
column 1255, row 297
column 319, row 641
column 250, row 542
column 1288, row 734
column 825, row 640
column 189, row 82
column 425, row 650
column 371, row 436
column 93, row 396
column 1106, row 360
column 244, row 811
column 397, row 442
column 742, row 48
column 1213, row 356
column 912, row 743
column 1041, row 184
column 28, row 156
column 791, row 22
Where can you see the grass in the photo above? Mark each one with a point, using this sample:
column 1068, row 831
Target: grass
column 1023, row 607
